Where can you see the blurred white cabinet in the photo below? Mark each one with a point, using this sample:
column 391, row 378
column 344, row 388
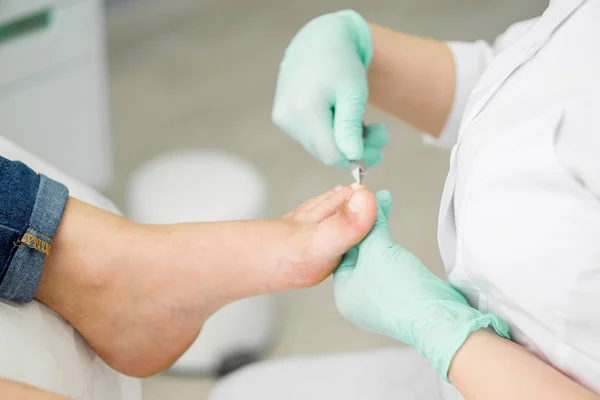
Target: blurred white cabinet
column 53, row 86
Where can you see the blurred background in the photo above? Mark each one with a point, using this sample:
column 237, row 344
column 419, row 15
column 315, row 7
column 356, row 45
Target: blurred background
column 200, row 74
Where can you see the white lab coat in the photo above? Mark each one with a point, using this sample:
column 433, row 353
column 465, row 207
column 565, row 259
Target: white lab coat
column 519, row 227
column 519, row 222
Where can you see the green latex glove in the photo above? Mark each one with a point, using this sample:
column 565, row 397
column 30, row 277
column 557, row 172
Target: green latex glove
column 322, row 91
column 381, row 287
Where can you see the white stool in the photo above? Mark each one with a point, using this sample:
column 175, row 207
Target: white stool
column 205, row 186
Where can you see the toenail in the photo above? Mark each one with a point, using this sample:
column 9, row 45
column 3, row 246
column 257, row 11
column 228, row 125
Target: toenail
column 355, row 186
column 338, row 188
column 357, row 202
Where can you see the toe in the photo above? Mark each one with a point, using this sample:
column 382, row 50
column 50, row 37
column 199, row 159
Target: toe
column 317, row 208
column 328, row 205
column 310, row 203
column 348, row 224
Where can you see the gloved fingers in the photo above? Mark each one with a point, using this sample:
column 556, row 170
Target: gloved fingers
column 374, row 142
column 318, row 126
column 372, row 157
column 343, row 164
column 376, row 136
column 310, row 149
column 311, row 126
column 384, row 200
column 379, row 239
column 343, row 272
column 350, row 103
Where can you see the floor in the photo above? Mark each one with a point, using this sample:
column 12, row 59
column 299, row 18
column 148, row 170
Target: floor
column 201, row 74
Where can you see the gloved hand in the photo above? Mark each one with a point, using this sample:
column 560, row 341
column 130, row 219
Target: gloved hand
column 381, row 287
column 322, row 90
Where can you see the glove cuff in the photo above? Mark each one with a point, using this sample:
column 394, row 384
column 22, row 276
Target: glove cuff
column 362, row 35
column 441, row 360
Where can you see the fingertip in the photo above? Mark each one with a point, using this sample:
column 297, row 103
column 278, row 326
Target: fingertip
column 376, row 136
column 383, row 196
column 372, row 157
column 384, row 201
column 351, row 146
column 343, row 164
column 348, row 128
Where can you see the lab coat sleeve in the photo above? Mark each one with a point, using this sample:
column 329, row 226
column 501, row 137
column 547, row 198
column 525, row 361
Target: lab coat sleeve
column 471, row 59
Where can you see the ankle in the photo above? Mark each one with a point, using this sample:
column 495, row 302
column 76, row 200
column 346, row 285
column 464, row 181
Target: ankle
column 87, row 252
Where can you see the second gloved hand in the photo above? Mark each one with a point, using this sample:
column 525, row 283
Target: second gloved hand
column 322, row 90
column 381, row 287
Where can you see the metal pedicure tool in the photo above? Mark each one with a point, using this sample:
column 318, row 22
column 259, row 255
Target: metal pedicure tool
column 357, row 167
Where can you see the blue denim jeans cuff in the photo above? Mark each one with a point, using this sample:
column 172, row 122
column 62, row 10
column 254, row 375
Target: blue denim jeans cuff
column 24, row 272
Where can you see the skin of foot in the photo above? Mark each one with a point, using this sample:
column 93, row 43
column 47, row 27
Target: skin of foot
column 140, row 294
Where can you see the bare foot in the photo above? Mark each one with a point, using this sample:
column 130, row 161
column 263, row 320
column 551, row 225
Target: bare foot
column 140, row 294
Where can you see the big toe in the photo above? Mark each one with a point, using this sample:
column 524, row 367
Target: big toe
column 348, row 225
